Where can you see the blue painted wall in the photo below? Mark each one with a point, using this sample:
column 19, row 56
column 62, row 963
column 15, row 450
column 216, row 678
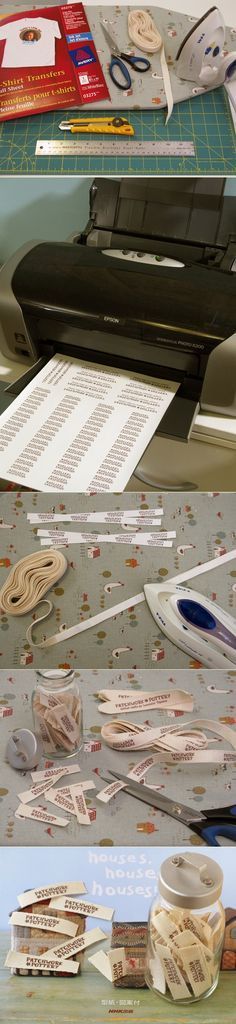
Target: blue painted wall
column 41, row 208
column 120, row 877
column 230, row 188
column 46, row 208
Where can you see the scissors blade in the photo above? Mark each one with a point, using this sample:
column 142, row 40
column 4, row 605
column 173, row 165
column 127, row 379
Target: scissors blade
column 149, row 796
column 110, row 39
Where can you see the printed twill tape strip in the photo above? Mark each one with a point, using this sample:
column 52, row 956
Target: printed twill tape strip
column 33, row 576
column 120, row 701
column 131, row 602
column 59, row 538
column 94, row 517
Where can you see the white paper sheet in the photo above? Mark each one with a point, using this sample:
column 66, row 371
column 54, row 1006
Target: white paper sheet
column 80, row 426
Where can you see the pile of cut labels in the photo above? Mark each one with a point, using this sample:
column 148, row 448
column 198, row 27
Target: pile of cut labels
column 69, row 798
column 131, row 521
column 48, row 932
column 186, row 951
column 187, row 742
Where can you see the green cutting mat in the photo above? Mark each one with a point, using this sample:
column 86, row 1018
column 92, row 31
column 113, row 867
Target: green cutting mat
column 205, row 120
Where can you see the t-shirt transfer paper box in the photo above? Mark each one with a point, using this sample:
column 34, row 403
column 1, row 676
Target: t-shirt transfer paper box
column 48, row 60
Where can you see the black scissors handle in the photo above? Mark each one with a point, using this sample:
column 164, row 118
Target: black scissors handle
column 117, row 63
column 219, row 822
column 140, row 64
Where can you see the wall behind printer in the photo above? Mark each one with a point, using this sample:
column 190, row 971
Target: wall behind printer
column 230, row 188
column 48, row 209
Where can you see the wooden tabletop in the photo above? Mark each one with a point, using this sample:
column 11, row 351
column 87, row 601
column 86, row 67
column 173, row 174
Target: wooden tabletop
column 90, row 999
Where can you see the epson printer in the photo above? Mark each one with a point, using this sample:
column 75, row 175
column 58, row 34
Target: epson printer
column 150, row 286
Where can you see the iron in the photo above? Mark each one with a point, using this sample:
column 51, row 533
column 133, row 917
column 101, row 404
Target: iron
column 194, row 623
column 201, row 59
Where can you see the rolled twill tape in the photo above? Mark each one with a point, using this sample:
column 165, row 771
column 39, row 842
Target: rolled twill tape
column 30, row 579
column 145, row 35
column 183, row 739
column 122, row 735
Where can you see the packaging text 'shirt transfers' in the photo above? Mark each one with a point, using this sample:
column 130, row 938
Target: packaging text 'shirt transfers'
column 48, row 60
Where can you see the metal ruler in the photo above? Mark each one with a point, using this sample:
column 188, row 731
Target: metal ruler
column 113, row 147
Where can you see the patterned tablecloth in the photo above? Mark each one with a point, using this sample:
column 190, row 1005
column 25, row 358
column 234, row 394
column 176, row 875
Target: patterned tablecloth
column 205, row 527
column 147, row 90
column 124, row 820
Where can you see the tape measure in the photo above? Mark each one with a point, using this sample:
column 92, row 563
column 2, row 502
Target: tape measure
column 113, row 147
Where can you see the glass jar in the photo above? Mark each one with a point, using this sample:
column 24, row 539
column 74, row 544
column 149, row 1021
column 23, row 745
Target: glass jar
column 186, row 929
column 57, row 712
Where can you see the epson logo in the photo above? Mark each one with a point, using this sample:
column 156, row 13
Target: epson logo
column 112, row 319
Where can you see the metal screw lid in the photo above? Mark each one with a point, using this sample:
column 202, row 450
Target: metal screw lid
column 190, row 880
column 23, row 750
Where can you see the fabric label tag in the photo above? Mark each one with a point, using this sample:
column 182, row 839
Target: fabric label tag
column 173, row 976
column 23, row 811
column 74, row 946
column 82, row 907
column 41, row 963
column 111, row 790
column 48, row 891
column 44, row 923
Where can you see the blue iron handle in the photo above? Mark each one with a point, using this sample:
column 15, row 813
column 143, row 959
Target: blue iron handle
column 211, row 832
column 141, row 64
column 117, row 63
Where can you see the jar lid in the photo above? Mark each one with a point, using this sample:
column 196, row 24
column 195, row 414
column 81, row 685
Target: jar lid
column 23, row 750
column 190, row 880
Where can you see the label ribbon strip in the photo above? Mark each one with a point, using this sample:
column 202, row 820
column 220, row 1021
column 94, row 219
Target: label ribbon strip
column 110, row 613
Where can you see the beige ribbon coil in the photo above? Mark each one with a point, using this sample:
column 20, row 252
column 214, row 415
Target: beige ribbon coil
column 30, row 579
column 143, row 31
column 145, row 35
column 182, row 739
column 122, row 735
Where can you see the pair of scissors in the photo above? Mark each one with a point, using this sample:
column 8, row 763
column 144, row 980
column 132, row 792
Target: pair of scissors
column 210, row 824
column 140, row 64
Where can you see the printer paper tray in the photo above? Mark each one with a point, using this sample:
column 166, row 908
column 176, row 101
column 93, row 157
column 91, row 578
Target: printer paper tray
column 177, row 422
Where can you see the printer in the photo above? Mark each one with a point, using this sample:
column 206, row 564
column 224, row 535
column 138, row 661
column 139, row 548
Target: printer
column 148, row 286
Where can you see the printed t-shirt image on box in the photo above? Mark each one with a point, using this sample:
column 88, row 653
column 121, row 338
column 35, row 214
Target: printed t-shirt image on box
column 29, row 42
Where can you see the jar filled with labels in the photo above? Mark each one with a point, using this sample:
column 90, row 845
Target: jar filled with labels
column 186, row 929
column 57, row 712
